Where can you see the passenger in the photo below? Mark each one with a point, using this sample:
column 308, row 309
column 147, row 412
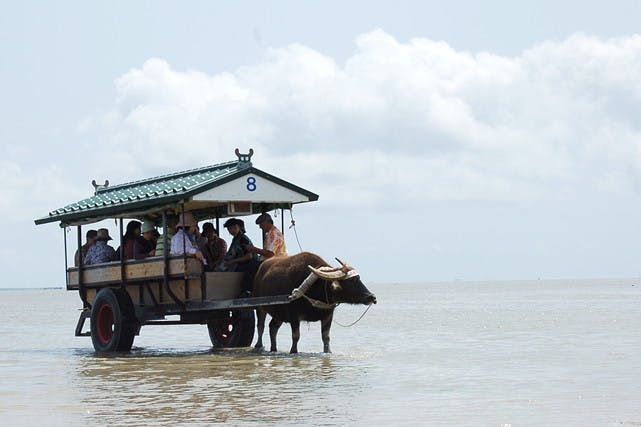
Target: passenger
column 184, row 241
column 91, row 240
column 133, row 243
column 101, row 252
column 212, row 246
column 274, row 241
column 171, row 232
column 238, row 258
column 150, row 235
column 218, row 246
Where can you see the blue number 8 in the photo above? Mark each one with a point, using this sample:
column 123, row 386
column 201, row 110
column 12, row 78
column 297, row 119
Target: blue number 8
column 251, row 184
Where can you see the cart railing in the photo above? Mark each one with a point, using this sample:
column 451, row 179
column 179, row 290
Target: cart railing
column 152, row 268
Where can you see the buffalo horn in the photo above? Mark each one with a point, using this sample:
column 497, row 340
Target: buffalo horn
column 328, row 269
column 327, row 275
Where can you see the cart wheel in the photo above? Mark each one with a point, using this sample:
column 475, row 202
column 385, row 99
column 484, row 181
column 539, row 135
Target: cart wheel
column 113, row 322
column 232, row 329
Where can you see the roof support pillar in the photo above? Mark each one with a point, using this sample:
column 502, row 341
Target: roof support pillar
column 81, row 289
column 282, row 221
column 165, row 252
column 182, row 210
column 64, row 235
column 122, row 255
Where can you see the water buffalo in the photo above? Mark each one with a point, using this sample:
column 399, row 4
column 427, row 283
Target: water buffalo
column 324, row 288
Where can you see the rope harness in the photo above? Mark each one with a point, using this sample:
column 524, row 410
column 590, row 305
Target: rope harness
column 300, row 292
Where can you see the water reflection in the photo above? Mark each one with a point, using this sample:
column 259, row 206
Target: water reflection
column 207, row 387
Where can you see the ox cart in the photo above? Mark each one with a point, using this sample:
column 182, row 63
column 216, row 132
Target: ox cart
column 120, row 297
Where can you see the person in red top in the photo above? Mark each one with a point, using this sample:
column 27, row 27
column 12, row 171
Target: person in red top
column 274, row 241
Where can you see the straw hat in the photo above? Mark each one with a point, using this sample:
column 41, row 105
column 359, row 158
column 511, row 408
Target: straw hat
column 103, row 234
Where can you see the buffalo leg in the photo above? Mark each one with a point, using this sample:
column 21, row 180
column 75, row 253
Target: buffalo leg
column 260, row 316
column 326, row 324
column 273, row 331
column 295, row 324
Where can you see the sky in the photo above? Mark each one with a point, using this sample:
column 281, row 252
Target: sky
column 456, row 140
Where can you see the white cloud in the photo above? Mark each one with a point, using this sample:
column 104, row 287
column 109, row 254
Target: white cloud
column 25, row 191
column 398, row 131
column 408, row 120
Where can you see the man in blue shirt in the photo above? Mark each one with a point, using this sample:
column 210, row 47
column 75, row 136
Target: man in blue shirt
column 101, row 252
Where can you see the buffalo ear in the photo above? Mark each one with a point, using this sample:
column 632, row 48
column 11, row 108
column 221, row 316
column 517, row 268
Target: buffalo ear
column 336, row 286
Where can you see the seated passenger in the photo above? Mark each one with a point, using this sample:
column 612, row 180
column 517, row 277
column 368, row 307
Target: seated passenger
column 212, row 246
column 217, row 245
column 133, row 243
column 171, row 231
column 100, row 251
column 238, row 258
column 184, row 241
column 150, row 235
column 91, row 240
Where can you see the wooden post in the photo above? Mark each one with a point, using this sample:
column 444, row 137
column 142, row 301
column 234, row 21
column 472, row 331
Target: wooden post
column 182, row 208
column 64, row 235
column 165, row 251
column 81, row 289
column 282, row 221
column 218, row 222
column 122, row 256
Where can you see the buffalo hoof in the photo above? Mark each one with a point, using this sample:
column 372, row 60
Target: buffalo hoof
column 259, row 346
column 273, row 350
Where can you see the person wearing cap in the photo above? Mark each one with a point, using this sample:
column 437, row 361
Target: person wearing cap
column 170, row 231
column 238, row 258
column 100, row 251
column 150, row 235
column 274, row 241
column 184, row 241
column 91, row 240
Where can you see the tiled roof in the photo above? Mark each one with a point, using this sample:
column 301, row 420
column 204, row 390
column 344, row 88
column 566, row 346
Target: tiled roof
column 171, row 186
column 158, row 192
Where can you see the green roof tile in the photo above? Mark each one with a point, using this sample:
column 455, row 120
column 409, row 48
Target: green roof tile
column 155, row 191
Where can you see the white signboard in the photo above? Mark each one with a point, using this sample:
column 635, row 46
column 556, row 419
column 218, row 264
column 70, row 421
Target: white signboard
column 251, row 188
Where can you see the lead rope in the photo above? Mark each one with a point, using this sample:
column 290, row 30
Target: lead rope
column 356, row 321
column 351, row 324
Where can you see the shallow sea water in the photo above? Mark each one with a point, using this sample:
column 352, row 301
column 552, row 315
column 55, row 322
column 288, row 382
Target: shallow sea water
column 459, row 353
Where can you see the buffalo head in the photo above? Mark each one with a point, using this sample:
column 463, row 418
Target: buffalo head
column 346, row 285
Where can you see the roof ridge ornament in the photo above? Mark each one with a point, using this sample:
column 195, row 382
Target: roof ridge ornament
column 98, row 187
column 244, row 160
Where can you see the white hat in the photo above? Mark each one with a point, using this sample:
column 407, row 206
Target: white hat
column 148, row 225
